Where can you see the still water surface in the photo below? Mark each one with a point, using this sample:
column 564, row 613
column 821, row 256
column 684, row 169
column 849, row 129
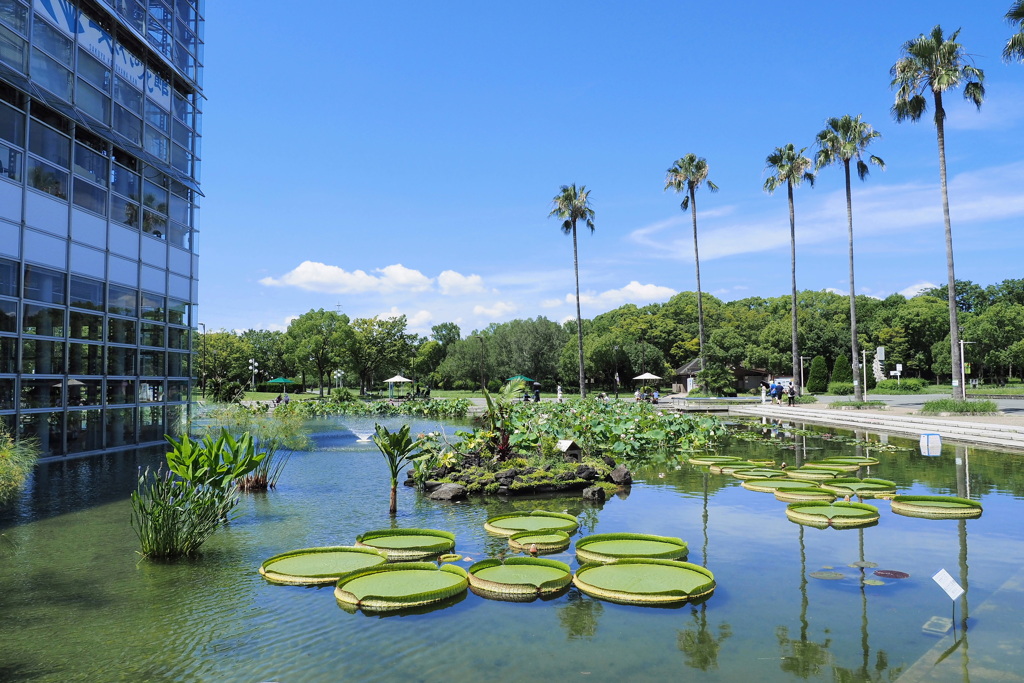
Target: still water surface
column 78, row 604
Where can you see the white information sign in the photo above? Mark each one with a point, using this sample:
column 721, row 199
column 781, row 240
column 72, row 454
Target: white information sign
column 947, row 583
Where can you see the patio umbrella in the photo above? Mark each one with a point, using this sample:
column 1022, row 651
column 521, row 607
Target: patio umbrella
column 647, row 375
column 391, row 384
column 520, row 378
column 282, row 380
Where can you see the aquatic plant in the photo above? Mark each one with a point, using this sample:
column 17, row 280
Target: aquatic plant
column 17, row 458
column 397, row 449
column 173, row 517
column 214, row 463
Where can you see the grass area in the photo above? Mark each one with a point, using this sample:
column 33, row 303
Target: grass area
column 949, row 405
column 857, row 404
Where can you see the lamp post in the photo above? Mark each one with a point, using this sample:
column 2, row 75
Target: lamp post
column 616, row 373
column 252, row 366
column 803, row 380
column 202, row 362
column 963, row 368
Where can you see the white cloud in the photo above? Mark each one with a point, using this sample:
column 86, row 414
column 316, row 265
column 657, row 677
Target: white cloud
column 452, row 283
column 275, row 327
column 634, row 292
column 319, row 277
column 498, row 310
column 551, row 303
column 914, row 290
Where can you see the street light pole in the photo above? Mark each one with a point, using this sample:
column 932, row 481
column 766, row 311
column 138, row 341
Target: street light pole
column 616, row 373
column 803, row 379
column 963, row 368
column 252, row 366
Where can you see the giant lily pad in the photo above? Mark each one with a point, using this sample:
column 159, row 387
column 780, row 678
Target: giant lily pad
column 822, row 514
column 815, row 472
column 508, row 524
column 708, row 459
column 936, row 507
column 611, row 547
column 796, row 495
column 865, row 488
column 833, row 466
column 403, row 545
column 859, row 460
column 545, row 540
column 759, row 473
column 400, row 585
column 645, row 581
column 519, row 578
column 311, row 566
column 777, row 483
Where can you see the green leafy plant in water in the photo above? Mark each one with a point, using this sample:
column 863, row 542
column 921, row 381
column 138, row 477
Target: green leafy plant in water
column 215, row 463
column 17, row 458
column 173, row 517
column 397, row 449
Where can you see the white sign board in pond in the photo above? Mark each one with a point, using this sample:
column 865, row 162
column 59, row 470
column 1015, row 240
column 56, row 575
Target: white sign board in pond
column 953, row 589
column 931, row 444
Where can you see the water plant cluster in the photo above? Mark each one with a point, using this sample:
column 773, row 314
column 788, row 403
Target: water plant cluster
column 17, row 458
column 447, row 408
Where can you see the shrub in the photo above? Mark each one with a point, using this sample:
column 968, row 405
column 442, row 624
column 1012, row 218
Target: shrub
column 840, row 388
column 842, row 371
column 342, row 395
column 911, row 385
column 225, row 391
column 949, row 405
column 817, row 378
column 17, row 458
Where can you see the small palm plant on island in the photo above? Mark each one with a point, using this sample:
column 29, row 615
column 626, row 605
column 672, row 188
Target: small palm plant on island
column 398, row 450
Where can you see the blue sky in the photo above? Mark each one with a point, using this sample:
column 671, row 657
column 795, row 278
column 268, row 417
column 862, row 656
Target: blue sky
column 401, row 158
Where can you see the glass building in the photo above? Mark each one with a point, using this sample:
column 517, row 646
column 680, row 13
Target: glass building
column 99, row 165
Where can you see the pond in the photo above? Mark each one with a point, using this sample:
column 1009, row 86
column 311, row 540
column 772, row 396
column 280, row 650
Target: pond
column 78, row 604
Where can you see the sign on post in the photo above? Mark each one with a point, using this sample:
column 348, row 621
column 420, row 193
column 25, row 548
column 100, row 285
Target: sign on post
column 953, row 589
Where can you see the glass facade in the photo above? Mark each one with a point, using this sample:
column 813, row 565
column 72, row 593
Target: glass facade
column 100, row 110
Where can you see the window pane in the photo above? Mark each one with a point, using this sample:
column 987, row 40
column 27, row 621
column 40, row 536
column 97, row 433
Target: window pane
column 85, row 359
column 125, row 182
column 177, row 365
column 12, row 125
column 13, row 49
column 9, row 278
column 94, row 71
column 53, row 41
column 49, row 144
column 6, row 387
column 177, row 338
column 127, row 96
column 177, row 312
column 51, row 75
column 15, row 14
column 8, row 318
column 151, row 363
column 157, row 144
column 121, row 331
column 152, row 335
column 86, row 293
column 120, row 391
column 42, row 357
column 85, row 428
column 41, row 393
column 42, row 176
column 124, row 211
column 86, row 326
column 90, row 197
column 122, row 301
column 93, row 102
column 90, row 165
column 128, row 125
column 120, row 427
column 44, row 285
column 156, row 116
column 120, row 360
column 154, row 224
column 151, row 423
column 151, row 391
column 43, row 320
column 153, row 307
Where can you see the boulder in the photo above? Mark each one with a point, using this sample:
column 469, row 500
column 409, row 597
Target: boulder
column 621, row 476
column 595, row 493
column 586, row 472
column 448, row 492
column 608, row 461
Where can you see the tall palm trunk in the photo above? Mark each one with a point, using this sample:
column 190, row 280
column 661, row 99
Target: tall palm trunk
column 696, row 261
column 579, row 318
column 959, row 391
column 798, row 382
column 858, row 390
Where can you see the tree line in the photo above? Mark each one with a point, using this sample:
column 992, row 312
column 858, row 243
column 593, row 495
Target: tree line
column 625, row 342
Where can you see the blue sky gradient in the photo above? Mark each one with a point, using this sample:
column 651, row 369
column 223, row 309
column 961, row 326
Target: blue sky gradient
column 401, row 158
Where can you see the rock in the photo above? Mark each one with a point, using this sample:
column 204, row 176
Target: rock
column 608, row 461
column 586, row 472
column 448, row 492
column 565, row 476
column 432, row 485
column 594, row 493
column 621, row 476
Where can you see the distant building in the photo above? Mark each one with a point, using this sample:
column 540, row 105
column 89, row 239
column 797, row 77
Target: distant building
column 99, row 164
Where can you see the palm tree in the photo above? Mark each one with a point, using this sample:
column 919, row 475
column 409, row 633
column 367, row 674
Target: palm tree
column 789, row 167
column 572, row 205
column 1015, row 45
column 932, row 63
column 686, row 175
column 843, row 140
column 397, row 449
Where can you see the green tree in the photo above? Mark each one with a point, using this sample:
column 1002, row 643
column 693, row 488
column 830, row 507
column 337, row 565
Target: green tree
column 1014, row 49
column 840, row 142
column 397, row 449
column 817, row 378
column 790, row 167
column 842, row 370
column 318, row 341
column 378, row 347
column 686, row 175
column 428, row 358
column 270, row 350
column 934, row 64
column 446, row 334
column 573, row 205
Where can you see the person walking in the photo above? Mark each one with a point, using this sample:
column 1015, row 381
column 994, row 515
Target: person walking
column 791, row 394
column 559, row 393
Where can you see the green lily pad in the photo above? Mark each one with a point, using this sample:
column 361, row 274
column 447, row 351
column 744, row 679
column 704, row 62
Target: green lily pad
column 408, row 544
column 645, row 581
column 399, row 586
column 611, row 547
column 936, row 507
column 312, row 566
column 519, row 577
column 827, row 576
column 508, row 524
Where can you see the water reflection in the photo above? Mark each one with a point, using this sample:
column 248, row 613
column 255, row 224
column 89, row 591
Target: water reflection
column 700, row 644
column 579, row 616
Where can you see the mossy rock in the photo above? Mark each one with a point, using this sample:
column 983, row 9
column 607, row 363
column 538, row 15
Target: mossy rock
column 645, row 581
column 617, row 546
column 404, row 545
column 519, row 578
column 838, row 515
column 400, row 585
column 546, row 540
column 865, row 488
column 536, row 520
column 936, row 507
column 314, row 566
column 776, row 483
column 797, row 495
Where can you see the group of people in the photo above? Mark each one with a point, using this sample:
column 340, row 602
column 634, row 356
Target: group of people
column 648, row 395
column 777, row 390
